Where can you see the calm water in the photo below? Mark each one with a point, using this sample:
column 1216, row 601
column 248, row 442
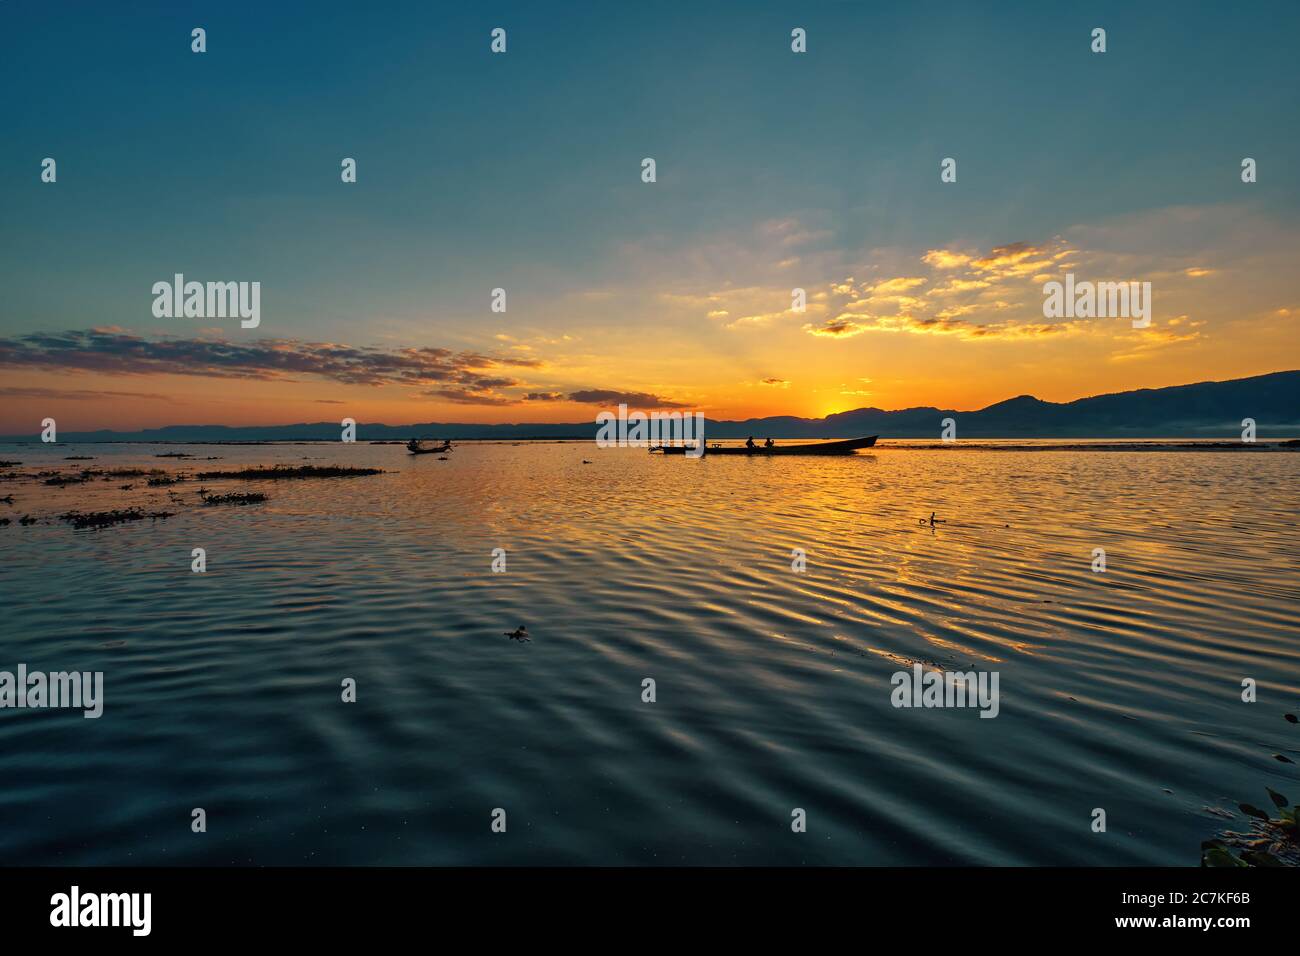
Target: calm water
column 1118, row 690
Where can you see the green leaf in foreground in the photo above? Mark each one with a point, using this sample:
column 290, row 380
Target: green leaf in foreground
column 1251, row 810
column 1219, row 857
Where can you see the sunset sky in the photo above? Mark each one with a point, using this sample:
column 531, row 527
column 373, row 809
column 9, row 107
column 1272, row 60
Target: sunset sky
column 523, row 171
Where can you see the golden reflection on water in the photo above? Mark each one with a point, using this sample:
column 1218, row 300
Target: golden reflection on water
column 774, row 685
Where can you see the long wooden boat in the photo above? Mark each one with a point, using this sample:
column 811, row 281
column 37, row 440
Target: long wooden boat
column 421, row 450
column 846, row 447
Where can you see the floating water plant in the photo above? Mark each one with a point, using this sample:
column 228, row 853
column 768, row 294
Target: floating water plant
column 234, row 498
column 105, row 519
column 276, row 472
column 1270, row 842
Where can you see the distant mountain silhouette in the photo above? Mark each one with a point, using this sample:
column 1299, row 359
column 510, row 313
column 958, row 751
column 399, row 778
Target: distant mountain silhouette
column 1203, row 410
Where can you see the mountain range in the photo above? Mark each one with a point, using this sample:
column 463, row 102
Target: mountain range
column 1201, row 410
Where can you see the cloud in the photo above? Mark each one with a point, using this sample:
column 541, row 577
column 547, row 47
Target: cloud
column 112, row 351
column 841, row 328
column 790, row 232
column 849, row 325
column 78, row 394
column 467, row 397
column 1016, row 258
column 606, row 396
column 954, row 286
column 1177, row 331
column 892, row 287
column 775, row 382
column 459, row 377
column 945, row 259
column 760, row 319
column 996, row 296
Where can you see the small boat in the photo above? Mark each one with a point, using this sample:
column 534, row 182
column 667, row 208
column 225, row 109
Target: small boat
column 846, row 447
column 415, row 448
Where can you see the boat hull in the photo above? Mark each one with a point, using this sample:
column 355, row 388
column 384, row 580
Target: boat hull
column 846, row 447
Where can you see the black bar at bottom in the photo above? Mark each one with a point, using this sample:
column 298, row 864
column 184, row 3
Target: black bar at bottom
column 334, row 905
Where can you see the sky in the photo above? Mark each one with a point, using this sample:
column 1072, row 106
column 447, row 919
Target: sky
column 522, row 171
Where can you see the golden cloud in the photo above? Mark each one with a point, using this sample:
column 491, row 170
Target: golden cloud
column 945, row 259
column 894, row 286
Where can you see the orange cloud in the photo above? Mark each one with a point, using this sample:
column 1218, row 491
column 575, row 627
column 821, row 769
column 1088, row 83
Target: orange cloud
column 945, row 259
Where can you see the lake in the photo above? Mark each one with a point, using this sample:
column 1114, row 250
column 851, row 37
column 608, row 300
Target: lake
column 1119, row 690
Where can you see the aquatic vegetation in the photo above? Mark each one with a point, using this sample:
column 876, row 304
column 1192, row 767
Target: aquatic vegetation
column 1270, row 842
column 110, row 473
column 234, row 498
column 105, row 519
column 276, row 472
column 10, row 464
column 60, row 481
column 164, row 480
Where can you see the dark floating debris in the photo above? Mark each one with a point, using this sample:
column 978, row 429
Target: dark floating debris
column 10, row 464
column 3, row 522
column 234, row 498
column 79, row 458
column 174, row 454
column 1271, row 842
column 277, row 472
column 60, row 481
column 106, row 519
column 8, row 499
column 519, row 634
column 129, row 472
column 163, row 480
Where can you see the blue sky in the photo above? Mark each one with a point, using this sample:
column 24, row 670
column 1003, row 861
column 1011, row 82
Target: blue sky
column 522, row 170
